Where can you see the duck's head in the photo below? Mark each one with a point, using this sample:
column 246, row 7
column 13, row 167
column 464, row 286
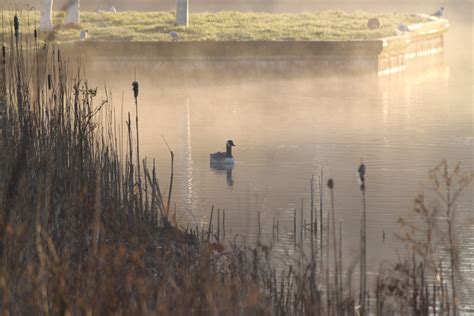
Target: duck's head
column 230, row 143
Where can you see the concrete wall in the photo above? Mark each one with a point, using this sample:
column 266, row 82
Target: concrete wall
column 377, row 57
column 425, row 40
column 305, row 57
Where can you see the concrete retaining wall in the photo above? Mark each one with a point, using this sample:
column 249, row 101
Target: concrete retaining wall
column 425, row 40
column 378, row 57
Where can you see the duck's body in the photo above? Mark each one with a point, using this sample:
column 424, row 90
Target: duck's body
column 223, row 157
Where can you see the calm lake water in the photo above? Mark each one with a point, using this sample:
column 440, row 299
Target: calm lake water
column 286, row 130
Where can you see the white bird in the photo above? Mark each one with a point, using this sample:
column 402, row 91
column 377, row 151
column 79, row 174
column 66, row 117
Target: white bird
column 403, row 28
column 224, row 157
column 438, row 13
column 175, row 36
column 112, row 9
column 84, row 34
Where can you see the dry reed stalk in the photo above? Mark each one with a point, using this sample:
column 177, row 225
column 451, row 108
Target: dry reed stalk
column 334, row 242
column 97, row 215
column 278, row 229
column 40, row 249
column 218, row 225
column 170, row 190
column 328, row 292
column 223, row 223
column 210, row 229
column 321, row 232
column 339, row 286
column 363, row 267
column 294, row 227
column 313, row 228
column 273, row 230
column 139, row 177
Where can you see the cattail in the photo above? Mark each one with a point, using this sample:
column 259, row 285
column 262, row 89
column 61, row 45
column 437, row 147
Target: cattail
column 16, row 26
column 331, row 184
column 363, row 235
column 35, row 33
column 361, row 172
column 49, row 82
column 4, row 54
column 135, row 89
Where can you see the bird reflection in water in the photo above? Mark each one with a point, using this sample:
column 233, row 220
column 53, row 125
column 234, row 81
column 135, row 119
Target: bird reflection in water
column 220, row 168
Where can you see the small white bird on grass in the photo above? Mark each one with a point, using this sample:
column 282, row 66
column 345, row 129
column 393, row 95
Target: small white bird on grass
column 439, row 13
column 112, row 9
column 84, row 35
column 403, row 28
column 175, row 36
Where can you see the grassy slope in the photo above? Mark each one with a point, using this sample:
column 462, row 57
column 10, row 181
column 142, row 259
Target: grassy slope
column 155, row 26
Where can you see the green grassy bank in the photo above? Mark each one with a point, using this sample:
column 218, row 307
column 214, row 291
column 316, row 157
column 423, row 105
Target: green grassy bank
column 227, row 26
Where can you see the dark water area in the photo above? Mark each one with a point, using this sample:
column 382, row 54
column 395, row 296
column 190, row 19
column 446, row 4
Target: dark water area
column 288, row 129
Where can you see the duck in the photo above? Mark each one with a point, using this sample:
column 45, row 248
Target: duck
column 224, row 157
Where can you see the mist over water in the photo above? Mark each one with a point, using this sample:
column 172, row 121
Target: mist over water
column 287, row 129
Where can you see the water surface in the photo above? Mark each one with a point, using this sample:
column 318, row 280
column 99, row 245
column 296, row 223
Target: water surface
column 287, row 130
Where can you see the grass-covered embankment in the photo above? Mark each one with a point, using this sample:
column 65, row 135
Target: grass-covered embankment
column 231, row 26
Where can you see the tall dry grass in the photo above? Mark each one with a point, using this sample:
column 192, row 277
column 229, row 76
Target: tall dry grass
column 84, row 230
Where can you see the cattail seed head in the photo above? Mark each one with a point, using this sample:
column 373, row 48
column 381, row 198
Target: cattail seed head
column 135, row 89
column 4, row 54
column 16, row 26
column 331, row 184
column 35, row 34
column 49, row 82
column 361, row 172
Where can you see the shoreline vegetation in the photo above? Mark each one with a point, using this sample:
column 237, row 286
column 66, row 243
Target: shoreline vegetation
column 134, row 26
column 85, row 227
